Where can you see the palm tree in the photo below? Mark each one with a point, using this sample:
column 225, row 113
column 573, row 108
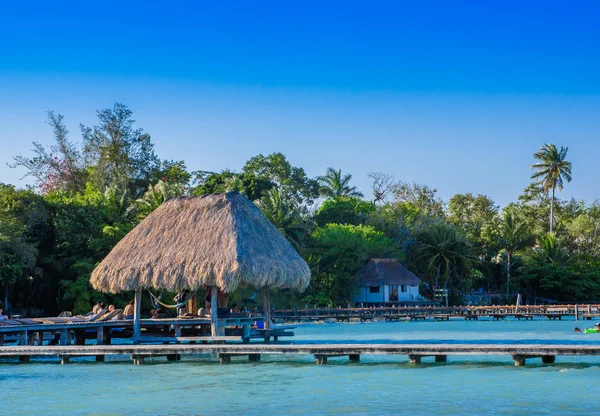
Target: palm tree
column 514, row 235
column 153, row 197
column 280, row 211
column 551, row 249
column 444, row 250
column 551, row 171
column 336, row 185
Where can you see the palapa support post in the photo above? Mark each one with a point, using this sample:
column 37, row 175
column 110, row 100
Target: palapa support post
column 214, row 316
column 266, row 307
column 137, row 328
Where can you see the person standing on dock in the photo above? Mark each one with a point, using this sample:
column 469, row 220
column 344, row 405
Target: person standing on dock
column 180, row 299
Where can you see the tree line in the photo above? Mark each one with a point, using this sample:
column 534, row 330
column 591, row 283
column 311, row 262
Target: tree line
column 88, row 194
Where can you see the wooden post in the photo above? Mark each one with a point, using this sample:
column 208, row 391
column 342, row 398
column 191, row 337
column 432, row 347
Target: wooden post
column 64, row 360
column 137, row 328
column 577, row 312
column 266, row 307
column 192, row 305
column 214, row 318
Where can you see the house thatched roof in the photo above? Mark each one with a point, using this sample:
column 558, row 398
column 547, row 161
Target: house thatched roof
column 191, row 242
column 379, row 272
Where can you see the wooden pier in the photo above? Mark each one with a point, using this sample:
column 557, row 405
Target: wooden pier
column 64, row 332
column 439, row 313
column 519, row 353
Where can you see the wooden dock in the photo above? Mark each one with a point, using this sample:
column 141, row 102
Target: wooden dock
column 153, row 330
column 439, row 313
column 321, row 352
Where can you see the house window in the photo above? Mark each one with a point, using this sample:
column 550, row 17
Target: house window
column 373, row 289
column 393, row 293
column 403, row 288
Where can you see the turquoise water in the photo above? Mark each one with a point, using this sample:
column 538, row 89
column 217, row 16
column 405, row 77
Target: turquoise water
column 295, row 385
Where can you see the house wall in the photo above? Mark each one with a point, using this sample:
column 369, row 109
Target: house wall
column 364, row 295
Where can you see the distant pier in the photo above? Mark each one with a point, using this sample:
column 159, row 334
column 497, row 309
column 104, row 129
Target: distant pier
column 438, row 313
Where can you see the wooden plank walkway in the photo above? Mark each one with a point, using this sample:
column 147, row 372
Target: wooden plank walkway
column 415, row 352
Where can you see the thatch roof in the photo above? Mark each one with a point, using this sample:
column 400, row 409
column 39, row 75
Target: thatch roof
column 379, row 272
column 191, row 242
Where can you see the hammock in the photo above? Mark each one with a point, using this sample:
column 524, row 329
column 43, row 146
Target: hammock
column 156, row 300
column 155, row 303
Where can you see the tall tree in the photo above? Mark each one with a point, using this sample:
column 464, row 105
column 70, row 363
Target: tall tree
column 551, row 171
column 419, row 197
column 445, row 251
column 470, row 213
column 118, row 153
column 276, row 169
column 382, row 184
column 60, row 169
column 336, row 185
column 513, row 235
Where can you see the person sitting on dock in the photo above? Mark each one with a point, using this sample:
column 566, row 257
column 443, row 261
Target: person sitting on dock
column 128, row 312
column 98, row 307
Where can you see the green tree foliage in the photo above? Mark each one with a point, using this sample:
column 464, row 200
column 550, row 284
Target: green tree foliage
column 551, row 171
column 247, row 184
column 292, row 180
column 334, row 184
column 62, row 168
column 23, row 227
column 154, row 196
column 471, row 214
column 344, row 210
column 445, row 252
column 117, row 153
column 336, row 252
column 420, row 198
column 510, row 233
column 280, row 210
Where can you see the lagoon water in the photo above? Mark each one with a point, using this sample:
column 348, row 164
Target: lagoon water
column 295, row 385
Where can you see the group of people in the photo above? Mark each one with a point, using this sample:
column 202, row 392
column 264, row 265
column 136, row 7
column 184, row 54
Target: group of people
column 100, row 308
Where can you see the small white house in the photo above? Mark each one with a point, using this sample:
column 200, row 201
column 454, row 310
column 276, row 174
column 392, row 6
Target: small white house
column 384, row 281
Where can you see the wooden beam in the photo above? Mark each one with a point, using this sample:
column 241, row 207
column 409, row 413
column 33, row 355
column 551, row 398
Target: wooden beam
column 214, row 316
column 266, row 307
column 137, row 328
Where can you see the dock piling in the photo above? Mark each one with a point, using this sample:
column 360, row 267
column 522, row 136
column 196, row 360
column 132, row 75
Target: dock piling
column 414, row 359
column 355, row 358
column 440, row 358
column 548, row 359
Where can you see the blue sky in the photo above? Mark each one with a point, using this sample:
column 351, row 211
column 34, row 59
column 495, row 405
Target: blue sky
column 454, row 94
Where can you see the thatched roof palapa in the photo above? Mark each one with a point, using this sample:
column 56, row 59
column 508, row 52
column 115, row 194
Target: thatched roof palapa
column 219, row 240
column 379, row 272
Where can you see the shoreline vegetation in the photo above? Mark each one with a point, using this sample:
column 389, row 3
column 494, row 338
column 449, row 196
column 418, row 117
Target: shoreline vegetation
column 89, row 193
